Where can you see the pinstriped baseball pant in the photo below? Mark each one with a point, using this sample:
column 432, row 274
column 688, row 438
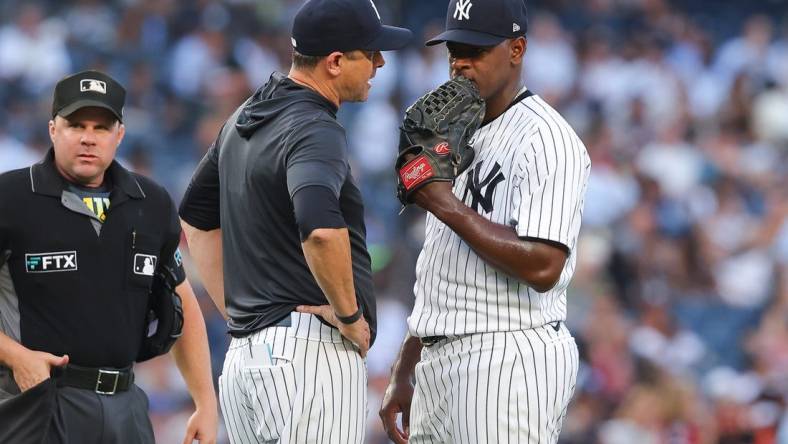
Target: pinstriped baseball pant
column 294, row 385
column 501, row 387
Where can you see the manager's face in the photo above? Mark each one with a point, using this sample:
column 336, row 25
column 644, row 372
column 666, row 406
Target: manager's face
column 358, row 69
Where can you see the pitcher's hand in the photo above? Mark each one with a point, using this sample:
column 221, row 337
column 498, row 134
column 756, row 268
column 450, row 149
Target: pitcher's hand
column 397, row 400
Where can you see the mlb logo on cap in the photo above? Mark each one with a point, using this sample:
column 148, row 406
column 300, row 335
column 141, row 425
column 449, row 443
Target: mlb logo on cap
column 88, row 89
column 92, row 85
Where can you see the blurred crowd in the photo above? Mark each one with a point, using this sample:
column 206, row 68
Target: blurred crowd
column 680, row 299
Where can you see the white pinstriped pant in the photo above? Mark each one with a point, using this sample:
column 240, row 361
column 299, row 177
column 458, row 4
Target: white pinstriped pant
column 310, row 386
column 500, row 387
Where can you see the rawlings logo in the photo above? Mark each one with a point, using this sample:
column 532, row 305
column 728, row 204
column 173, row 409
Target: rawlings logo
column 442, row 149
column 415, row 172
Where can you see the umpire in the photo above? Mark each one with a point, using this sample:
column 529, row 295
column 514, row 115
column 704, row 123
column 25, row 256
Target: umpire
column 276, row 193
column 82, row 242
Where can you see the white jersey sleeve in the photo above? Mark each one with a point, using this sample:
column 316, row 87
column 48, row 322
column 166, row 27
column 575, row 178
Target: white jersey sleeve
column 547, row 201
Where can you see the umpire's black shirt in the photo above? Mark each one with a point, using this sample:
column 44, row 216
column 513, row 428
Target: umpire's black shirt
column 70, row 283
column 282, row 139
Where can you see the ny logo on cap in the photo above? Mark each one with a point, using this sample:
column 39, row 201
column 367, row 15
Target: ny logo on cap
column 462, row 10
column 92, row 85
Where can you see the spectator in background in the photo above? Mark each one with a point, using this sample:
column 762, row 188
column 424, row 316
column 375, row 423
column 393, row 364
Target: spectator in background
column 14, row 154
column 747, row 53
column 424, row 66
column 92, row 24
column 197, row 57
column 551, row 64
column 33, row 50
column 674, row 164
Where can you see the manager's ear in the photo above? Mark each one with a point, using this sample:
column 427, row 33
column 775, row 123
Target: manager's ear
column 333, row 63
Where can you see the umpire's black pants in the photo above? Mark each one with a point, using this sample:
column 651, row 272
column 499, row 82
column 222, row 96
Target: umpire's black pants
column 49, row 414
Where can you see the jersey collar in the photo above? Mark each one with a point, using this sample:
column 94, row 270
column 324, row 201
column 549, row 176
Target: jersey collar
column 45, row 179
column 522, row 94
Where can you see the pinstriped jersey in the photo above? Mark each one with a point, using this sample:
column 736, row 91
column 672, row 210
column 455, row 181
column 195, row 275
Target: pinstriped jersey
column 530, row 173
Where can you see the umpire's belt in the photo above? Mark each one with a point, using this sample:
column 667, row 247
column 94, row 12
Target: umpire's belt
column 103, row 381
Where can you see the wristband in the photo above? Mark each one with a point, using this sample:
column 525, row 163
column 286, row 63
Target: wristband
column 349, row 319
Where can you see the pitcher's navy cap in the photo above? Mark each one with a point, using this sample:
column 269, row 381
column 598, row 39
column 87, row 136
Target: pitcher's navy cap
column 88, row 88
column 483, row 22
column 324, row 26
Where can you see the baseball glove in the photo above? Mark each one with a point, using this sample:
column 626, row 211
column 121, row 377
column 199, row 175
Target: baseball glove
column 165, row 316
column 434, row 136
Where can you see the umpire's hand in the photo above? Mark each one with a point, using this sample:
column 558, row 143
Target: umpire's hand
column 357, row 332
column 32, row 367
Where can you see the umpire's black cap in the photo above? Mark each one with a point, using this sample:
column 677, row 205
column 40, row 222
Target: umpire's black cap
column 324, row 26
column 483, row 22
column 88, row 88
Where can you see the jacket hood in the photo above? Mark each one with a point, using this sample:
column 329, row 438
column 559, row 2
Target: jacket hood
column 271, row 99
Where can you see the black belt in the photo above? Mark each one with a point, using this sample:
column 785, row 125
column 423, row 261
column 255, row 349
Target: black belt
column 104, row 381
column 431, row 340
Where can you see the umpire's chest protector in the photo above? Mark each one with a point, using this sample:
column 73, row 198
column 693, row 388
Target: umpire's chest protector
column 82, row 286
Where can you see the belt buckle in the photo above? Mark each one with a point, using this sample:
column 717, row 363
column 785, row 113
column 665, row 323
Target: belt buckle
column 100, row 382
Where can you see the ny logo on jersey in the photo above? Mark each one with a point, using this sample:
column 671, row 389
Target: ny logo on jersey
column 462, row 10
column 482, row 191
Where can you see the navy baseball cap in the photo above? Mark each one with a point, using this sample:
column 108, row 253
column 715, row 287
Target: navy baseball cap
column 324, row 26
column 483, row 22
column 88, row 88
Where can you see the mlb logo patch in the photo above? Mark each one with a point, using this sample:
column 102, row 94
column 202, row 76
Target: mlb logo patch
column 51, row 262
column 144, row 264
column 93, row 85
